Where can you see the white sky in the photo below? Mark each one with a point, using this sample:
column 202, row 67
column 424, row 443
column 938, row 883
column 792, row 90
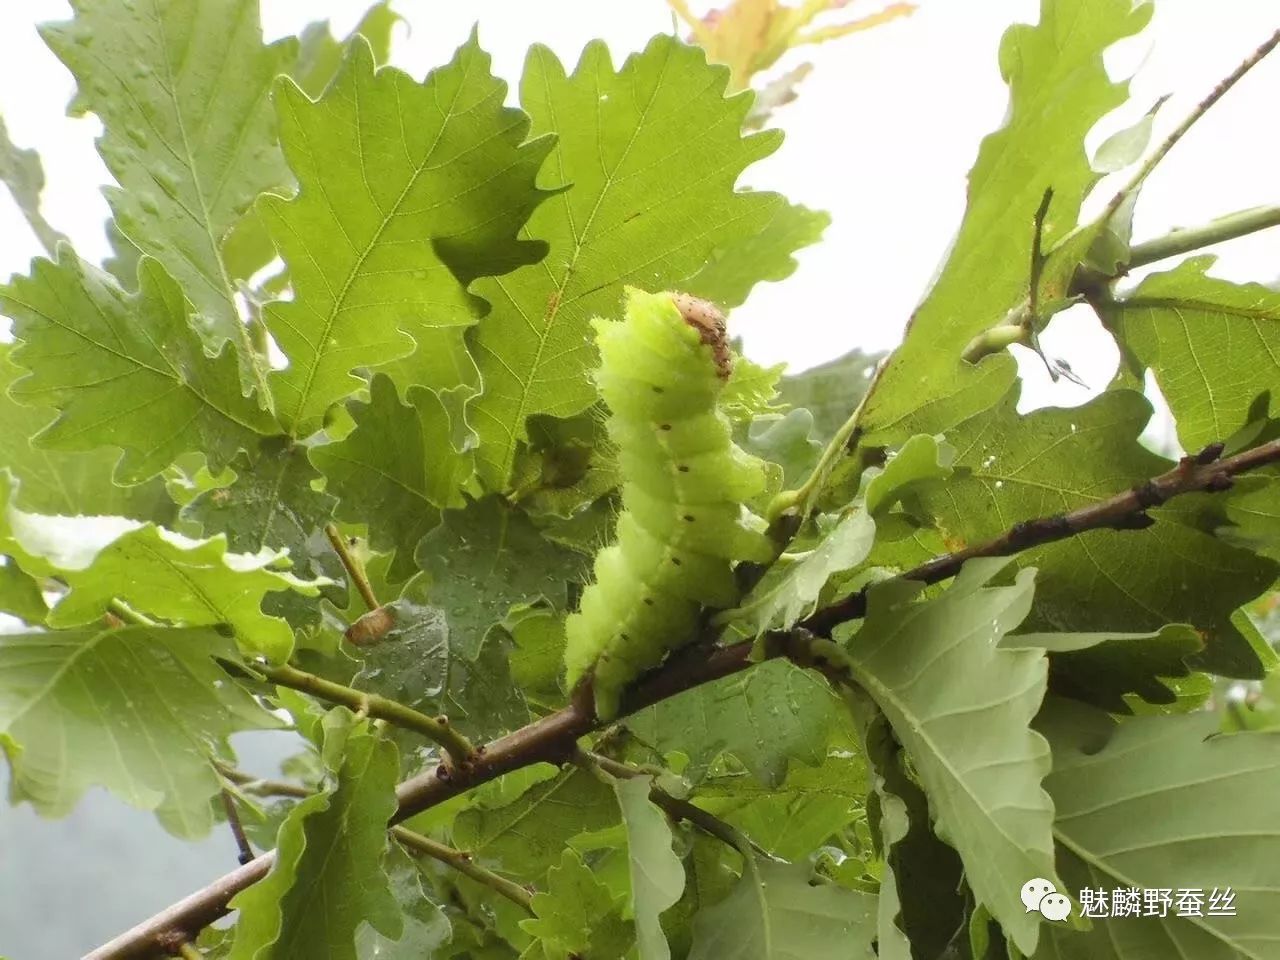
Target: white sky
column 882, row 137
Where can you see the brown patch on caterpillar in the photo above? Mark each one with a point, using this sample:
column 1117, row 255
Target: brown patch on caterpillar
column 705, row 317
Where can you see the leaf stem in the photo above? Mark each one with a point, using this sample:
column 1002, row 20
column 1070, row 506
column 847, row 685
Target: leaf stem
column 188, row 951
column 248, row 783
column 237, row 828
column 461, row 861
column 120, row 611
column 677, row 808
column 1180, row 131
column 438, row 730
column 845, row 439
column 1186, row 239
column 354, row 568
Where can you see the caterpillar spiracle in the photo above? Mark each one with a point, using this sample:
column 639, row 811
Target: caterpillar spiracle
column 684, row 522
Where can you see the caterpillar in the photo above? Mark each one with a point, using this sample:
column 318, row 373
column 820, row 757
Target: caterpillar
column 685, row 482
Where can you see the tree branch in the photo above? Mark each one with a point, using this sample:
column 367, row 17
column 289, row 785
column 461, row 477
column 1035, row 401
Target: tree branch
column 1124, row 511
column 436, row 729
column 352, row 564
column 553, row 738
column 678, row 808
column 1180, row 131
column 1186, row 239
column 461, row 861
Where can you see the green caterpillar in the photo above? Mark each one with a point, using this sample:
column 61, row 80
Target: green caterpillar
column 683, row 523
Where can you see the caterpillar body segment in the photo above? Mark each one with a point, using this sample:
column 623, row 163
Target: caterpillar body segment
column 683, row 523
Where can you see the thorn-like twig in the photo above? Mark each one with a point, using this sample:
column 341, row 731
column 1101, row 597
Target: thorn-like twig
column 237, row 828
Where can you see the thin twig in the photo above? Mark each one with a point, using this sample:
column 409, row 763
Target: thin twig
column 352, row 564
column 1186, row 239
column 553, row 738
column 678, row 808
column 261, row 787
column 461, row 861
column 237, row 828
column 1124, row 511
column 436, row 729
column 1180, row 131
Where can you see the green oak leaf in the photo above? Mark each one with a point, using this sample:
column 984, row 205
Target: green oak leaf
column 537, row 657
column 922, row 461
column 657, row 876
column 962, row 708
column 922, row 890
column 624, row 136
column 396, row 470
column 575, row 914
column 1213, row 346
column 800, row 814
column 790, row 592
column 830, row 391
column 386, row 231
column 1256, row 513
column 426, row 928
column 182, row 88
column 764, row 717
column 20, row 594
column 486, row 558
column 272, row 503
column 1130, row 814
column 416, row 663
column 750, row 390
column 320, row 53
column 774, row 913
column 526, row 836
column 927, row 387
column 194, row 582
column 786, row 442
column 125, row 369
column 1105, row 668
column 141, row 711
column 1010, row 468
column 57, row 483
column 738, row 265
column 328, row 878
column 22, row 172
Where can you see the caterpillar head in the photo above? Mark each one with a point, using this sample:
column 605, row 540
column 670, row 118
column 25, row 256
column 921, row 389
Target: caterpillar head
column 705, row 317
